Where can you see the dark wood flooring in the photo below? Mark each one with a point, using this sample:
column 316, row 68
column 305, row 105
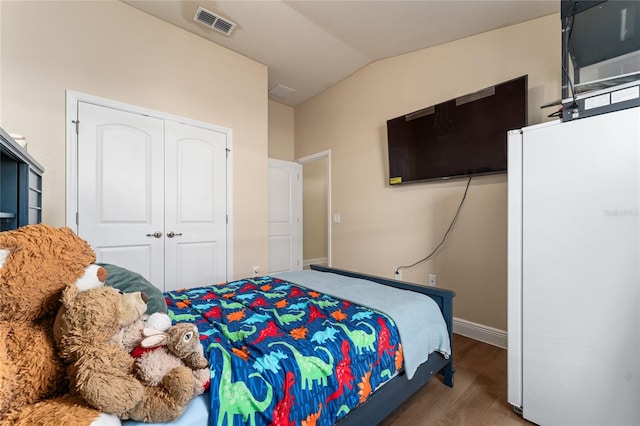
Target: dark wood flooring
column 479, row 395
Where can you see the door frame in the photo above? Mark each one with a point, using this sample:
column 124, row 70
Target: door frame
column 71, row 169
column 319, row 156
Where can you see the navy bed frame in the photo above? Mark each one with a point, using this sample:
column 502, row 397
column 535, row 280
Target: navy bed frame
column 397, row 390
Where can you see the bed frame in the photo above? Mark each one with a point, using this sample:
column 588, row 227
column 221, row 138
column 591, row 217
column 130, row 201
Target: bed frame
column 396, row 391
column 393, row 393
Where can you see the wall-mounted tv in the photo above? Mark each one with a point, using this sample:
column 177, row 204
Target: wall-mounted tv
column 462, row 137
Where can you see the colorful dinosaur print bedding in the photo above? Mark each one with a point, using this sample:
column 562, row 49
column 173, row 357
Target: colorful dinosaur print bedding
column 282, row 354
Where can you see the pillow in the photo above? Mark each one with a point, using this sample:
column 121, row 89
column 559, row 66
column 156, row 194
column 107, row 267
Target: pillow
column 128, row 281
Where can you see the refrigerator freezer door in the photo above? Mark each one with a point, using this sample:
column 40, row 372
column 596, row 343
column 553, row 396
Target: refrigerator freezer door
column 581, row 271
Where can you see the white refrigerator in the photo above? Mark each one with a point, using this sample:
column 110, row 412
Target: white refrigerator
column 574, row 271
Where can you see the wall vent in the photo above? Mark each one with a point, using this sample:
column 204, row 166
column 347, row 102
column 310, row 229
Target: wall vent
column 282, row 91
column 214, row 21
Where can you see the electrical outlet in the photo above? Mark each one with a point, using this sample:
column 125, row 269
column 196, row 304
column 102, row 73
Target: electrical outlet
column 432, row 280
column 256, row 271
column 398, row 275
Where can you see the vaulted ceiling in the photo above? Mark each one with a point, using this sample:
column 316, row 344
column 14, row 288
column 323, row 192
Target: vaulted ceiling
column 310, row 45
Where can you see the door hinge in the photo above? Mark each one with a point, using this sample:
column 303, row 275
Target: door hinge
column 227, row 151
column 77, row 123
column 77, row 218
column 227, row 219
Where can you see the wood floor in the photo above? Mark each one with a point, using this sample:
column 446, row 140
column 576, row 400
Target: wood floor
column 479, row 395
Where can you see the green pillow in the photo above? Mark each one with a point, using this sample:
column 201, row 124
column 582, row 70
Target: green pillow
column 128, row 281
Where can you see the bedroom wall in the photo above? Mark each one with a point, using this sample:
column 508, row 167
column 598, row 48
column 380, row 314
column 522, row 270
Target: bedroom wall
column 384, row 227
column 280, row 131
column 111, row 50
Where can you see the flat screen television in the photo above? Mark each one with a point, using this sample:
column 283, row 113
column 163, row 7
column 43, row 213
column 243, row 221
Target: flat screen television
column 465, row 136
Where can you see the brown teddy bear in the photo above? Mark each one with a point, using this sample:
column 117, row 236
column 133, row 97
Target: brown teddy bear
column 38, row 262
column 101, row 371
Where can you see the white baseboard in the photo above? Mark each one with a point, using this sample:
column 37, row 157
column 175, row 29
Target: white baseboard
column 483, row 333
column 317, row 261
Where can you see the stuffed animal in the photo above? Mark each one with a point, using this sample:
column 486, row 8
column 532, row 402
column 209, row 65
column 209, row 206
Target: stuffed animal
column 130, row 336
column 182, row 340
column 166, row 348
column 152, row 368
column 39, row 261
column 101, row 371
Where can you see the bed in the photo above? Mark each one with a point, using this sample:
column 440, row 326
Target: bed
column 358, row 344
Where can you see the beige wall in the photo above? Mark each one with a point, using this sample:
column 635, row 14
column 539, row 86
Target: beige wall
column 111, row 50
column 280, row 131
column 384, row 227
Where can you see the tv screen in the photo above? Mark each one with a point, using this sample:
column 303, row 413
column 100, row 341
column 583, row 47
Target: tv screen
column 462, row 137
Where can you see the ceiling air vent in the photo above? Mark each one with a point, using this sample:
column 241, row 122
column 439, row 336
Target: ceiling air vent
column 214, row 21
column 282, row 91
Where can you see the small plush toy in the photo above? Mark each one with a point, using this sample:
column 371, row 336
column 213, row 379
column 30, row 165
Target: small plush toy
column 101, row 371
column 39, row 261
column 163, row 350
column 131, row 336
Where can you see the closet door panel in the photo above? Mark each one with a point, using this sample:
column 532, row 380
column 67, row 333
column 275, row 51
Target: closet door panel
column 121, row 188
column 196, row 181
column 195, row 206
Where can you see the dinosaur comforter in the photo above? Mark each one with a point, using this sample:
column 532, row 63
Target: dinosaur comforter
column 283, row 354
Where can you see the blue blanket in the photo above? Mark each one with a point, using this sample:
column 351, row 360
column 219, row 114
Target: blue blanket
column 283, row 353
column 418, row 318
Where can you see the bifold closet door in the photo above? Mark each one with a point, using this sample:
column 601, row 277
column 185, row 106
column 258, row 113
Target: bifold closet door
column 152, row 196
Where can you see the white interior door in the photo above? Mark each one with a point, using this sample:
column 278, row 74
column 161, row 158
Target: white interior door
column 195, row 214
column 121, row 188
column 285, row 216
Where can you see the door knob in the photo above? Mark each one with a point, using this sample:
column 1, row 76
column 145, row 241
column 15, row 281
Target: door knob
column 172, row 234
column 156, row 234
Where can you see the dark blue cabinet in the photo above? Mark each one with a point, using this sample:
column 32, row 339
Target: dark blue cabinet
column 20, row 185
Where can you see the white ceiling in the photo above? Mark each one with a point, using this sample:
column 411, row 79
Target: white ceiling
column 310, row 45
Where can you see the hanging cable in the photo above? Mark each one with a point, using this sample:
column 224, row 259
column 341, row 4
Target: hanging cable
column 446, row 234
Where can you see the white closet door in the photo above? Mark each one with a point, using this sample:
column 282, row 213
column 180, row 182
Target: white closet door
column 195, row 198
column 285, row 216
column 121, row 188
column 152, row 196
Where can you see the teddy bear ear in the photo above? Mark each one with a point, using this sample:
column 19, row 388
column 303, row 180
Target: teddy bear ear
column 69, row 295
column 94, row 276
